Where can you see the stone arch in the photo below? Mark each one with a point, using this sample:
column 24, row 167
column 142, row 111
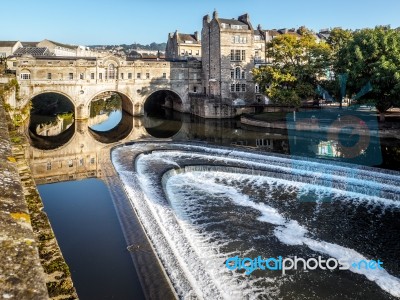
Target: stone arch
column 164, row 97
column 127, row 102
column 55, row 92
column 123, row 128
column 57, row 141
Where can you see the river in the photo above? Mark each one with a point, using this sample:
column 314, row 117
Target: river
column 240, row 213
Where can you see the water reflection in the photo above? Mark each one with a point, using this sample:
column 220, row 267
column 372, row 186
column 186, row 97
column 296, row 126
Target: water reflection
column 165, row 123
column 51, row 114
column 105, row 111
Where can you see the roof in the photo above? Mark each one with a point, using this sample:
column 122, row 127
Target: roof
column 258, row 32
column 182, row 37
column 272, row 32
column 63, row 45
column 34, row 51
column 29, row 44
column 8, row 43
column 232, row 22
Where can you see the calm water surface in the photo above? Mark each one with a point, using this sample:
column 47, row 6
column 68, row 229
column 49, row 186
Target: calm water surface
column 89, row 234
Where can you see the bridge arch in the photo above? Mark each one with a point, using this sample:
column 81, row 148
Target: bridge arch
column 125, row 125
column 162, row 98
column 127, row 102
column 51, row 125
column 52, row 91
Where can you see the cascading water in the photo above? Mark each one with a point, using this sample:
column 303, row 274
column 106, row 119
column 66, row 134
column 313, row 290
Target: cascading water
column 202, row 205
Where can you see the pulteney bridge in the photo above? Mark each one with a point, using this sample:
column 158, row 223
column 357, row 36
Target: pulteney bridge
column 82, row 79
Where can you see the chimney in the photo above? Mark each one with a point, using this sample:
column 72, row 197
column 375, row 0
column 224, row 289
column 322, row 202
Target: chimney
column 196, row 34
column 215, row 14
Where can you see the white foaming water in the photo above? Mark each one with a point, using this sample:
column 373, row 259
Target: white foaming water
column 195, row 262
column 288, row 231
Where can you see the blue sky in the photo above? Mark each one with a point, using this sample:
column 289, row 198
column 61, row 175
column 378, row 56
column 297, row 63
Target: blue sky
column 88, row 22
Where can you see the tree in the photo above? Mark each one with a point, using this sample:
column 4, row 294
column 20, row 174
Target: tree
column 338, row 39
column 297, row 65
column 373, row 55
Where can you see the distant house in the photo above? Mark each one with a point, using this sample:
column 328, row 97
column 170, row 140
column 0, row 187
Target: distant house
column 8, row 48
column 183, row 46
column 59, row 49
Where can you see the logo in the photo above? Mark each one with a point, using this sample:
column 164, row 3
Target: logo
column 285, row 264
column 347, row 135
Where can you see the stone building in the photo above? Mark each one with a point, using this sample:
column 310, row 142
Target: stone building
column 183, row 46
column 7, row 48
column 230, row 49
column 59, row 49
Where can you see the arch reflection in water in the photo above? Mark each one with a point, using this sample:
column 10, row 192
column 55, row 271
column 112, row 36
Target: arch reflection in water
column 110, row 119
column 162, row 118
column 51, row 123
column 167, row 123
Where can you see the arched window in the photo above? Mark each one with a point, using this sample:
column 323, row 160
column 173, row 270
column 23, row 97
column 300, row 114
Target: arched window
column 111, row 71
column 237, row 73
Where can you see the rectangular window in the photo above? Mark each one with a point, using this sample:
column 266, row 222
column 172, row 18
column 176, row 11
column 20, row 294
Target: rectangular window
column 237, row 55
column 48, row 75
column 243, row 87
column 129, row 75
column 81, row 162
column 180, row 75
column 243, row 55
column 232, row 74
column 71, row 76
column 14, row 64
column 92, row 161
column 198, row 52
column 164, row 75
column 232, row 55
column 232, row 87
column 48, row 167
column 122, row 75
column 147, row 75
column 25, row 76
column 100, row 76
column 238, row 87
column 138, row 75
column 243, row 75
column 81, row 77
column 195, row 89
column 195, row 76
column 91, row 75
column 70, row 163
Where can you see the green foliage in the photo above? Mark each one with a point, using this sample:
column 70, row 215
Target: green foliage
column 373, row 55
column 296, row 68
column 105, row 106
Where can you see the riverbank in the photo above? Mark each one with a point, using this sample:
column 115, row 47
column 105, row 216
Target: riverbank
column 37, row 270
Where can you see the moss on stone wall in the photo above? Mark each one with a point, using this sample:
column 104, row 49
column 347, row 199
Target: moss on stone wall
column 58, row 275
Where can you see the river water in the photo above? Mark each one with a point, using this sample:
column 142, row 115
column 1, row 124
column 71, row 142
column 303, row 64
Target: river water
column 220, row 203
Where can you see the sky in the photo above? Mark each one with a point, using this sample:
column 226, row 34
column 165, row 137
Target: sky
column 111, row 22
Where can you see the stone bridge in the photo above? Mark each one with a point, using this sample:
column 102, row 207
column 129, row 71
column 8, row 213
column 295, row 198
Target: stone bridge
column 83, row 79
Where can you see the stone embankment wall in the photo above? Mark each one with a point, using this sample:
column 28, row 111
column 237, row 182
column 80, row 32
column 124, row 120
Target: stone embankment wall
column 31, row 263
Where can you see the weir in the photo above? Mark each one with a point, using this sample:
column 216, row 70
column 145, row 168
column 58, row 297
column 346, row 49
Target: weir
column 213, row 203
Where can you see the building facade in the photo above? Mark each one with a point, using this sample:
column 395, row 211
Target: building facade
column 183, row 46
column 7, row 48
column 230, row 49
